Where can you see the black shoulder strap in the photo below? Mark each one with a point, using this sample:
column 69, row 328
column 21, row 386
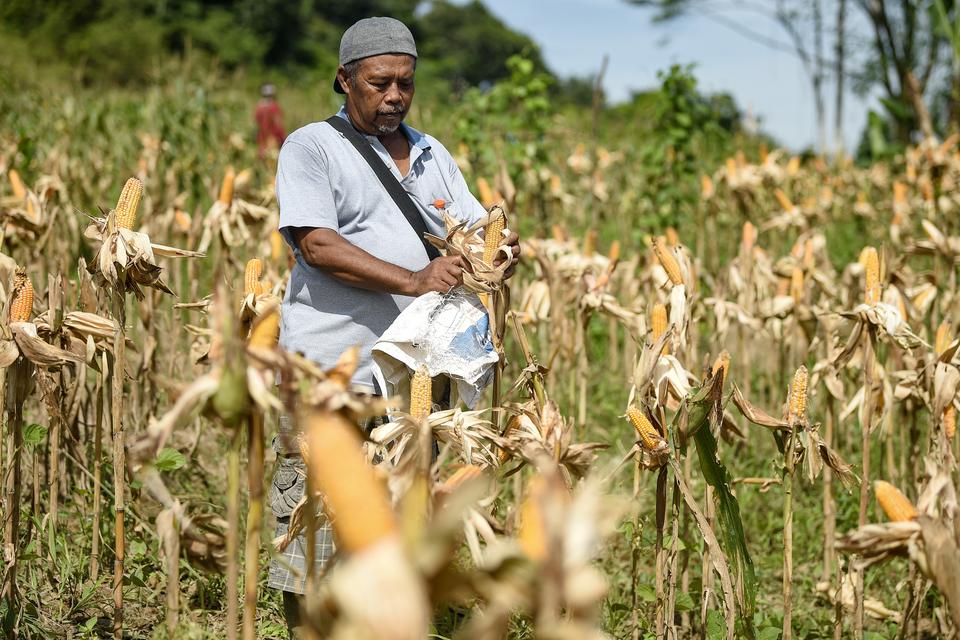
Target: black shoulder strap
column 387, row 179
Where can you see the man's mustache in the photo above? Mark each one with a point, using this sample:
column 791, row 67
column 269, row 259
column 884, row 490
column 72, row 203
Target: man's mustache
column 392, row 112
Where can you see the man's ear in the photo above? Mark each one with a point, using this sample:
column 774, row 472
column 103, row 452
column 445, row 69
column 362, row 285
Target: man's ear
column 343, row 80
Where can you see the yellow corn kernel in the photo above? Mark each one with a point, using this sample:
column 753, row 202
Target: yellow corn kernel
column 943, row 338
column 950, row 421
column 650, row 438
column 784, row 201
column 706, row 187
column 266, row 331
column 722, row 363
column 796, row 285
column 658, row 325
column 808, row 258
column 798, row 393
column 614, row 253
column 16, row 184
column 731, row 165
column 899, row 193
column 896, row 505
column 421, row 393
column 226, row 187
column 486, row 193
column 673, row 239
column 590, row 243
column 667, row 260
column 871, row 265
column 251, row 277
column 126, row 210
column 352, row 494
column 532, row 535
column 21, row 305
column 492, row 235
column 748, row 237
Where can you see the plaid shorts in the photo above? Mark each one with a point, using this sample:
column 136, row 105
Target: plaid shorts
column 288, row 569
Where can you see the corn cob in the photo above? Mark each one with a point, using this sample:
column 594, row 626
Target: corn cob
column 748, row 237
column 896, row 505
column 871, row 264
column 784, row 201
column 722, row 363
column 421, row 393
column 558, row 234
column 181, row 221
column 899, row 193
column 266, row 331
column 16, row 184
column 650, row 438
column 21, row 305
column 949, row 421
column 590, row 243
column 532, row 534
column 277, row 245
column 251, row 277
column 667, row 260
column 943, row 338
column 351, row 491
column 706, row 187
column 798, row 393
column 796, row 285
column 126, row 210
column 793, row 165
column 226, row 187
column 460, row 476
column 808, row 259
column 741, row 158
column 731, row 168
column 614, row 253
column 658, row 325
column 492, row 235
column 763, row 153
column 673, row 239
column 927, row 190
column 486, row 193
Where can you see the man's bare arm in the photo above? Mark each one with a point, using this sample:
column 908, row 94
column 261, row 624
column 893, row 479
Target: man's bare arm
column 325, row 249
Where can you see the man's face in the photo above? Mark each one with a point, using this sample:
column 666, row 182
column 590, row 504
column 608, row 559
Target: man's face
column 379, row 97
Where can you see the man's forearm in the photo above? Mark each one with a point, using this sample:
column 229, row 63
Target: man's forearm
column 326, row 250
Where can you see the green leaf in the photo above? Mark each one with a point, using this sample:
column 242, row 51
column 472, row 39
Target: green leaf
column 169, row 460
column 769, row 633
column 34, row 434
column 731, row 535
column 716, row 626
column 684, row 602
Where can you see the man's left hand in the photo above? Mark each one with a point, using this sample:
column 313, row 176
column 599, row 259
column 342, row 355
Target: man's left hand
column 513, row 244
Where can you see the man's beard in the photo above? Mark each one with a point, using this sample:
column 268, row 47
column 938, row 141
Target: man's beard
column 386, row 128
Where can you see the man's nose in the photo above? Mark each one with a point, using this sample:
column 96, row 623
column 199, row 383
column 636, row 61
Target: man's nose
column 393, row 94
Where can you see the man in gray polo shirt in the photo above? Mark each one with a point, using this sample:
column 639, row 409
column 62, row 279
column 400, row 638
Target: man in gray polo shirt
column 359, row 262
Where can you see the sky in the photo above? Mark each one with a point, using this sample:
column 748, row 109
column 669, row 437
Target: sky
column 574, row 35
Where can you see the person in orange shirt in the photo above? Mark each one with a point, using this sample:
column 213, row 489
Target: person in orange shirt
column 269, row 117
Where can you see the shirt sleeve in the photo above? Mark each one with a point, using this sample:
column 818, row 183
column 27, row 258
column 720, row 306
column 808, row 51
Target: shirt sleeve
column 470, row 208
column 303, row 190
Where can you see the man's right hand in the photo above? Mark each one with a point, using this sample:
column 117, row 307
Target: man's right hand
column 441, row 275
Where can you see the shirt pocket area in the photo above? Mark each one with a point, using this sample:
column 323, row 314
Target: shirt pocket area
column 288, row 486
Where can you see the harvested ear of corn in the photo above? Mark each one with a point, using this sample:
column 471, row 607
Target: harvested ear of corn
column 650, row 438
column 126, row 210
column 21, row 306
column 896, row 505
column 667, row 260
column 226, row 187
column 421, row 393
column 798, row 394
column 871, row 264
column 251, row 277
column 362, row 516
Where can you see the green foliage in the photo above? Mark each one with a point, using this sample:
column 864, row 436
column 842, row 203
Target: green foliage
column 472, row 45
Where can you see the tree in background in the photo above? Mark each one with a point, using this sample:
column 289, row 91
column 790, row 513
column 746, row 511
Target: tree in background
column 901, row 50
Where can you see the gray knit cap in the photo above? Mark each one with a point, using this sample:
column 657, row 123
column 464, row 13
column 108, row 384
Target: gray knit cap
column 373, row 37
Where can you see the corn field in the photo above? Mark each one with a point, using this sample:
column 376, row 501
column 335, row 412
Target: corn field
column 741, row 427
